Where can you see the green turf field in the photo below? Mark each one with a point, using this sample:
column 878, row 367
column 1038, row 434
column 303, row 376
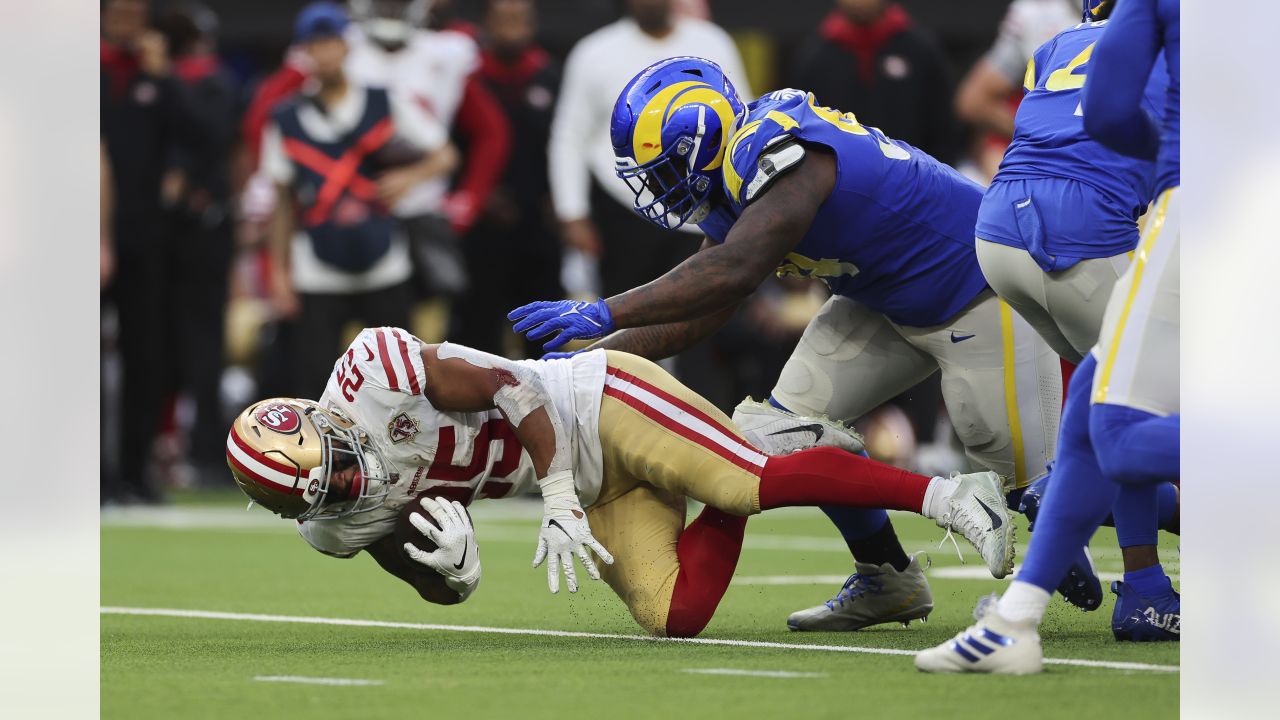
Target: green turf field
column 210, row 555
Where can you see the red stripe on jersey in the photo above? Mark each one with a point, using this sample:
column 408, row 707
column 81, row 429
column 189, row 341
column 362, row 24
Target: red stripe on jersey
column 386, row 360
column 261, row 478
column 408, row 364
column 683, row 405
column 657, row 416
column 251, row 452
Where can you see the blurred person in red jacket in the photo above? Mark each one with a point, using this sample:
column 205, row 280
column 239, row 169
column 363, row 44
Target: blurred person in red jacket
column 390, row 47
column 514, row 247
column 871, row 57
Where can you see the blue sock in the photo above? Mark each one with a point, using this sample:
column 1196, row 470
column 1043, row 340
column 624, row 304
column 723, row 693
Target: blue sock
column 854, row 524
column 1150, row 582
column 1168, row 506
column 1078, row 498
column 1135, row 447
column 1137, row 515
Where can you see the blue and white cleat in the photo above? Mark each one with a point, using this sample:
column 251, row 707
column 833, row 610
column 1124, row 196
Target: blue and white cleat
column 1081, row 586
column 1140, row 619
column 992, row 645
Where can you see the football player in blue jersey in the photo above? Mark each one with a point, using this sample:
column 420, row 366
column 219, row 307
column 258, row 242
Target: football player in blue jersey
column 1054, row 234
column 1120, row 427
column 785, row 184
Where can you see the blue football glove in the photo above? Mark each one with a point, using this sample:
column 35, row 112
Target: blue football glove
column 573, row 320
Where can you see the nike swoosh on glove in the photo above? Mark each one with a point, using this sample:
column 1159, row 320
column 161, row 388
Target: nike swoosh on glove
column 565, row 533
column 457, row 554
column 572, row 319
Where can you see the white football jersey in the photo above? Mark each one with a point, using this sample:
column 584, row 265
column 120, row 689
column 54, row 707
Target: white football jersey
column 432, row 70
column 378, row 383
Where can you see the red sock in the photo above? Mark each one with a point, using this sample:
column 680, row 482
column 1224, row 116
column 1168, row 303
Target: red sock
column 708, row 550
column 827, row 476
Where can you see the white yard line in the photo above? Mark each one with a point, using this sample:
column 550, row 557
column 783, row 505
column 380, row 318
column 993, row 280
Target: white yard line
column 350, row 622
column 345, row 682
column 753, row 673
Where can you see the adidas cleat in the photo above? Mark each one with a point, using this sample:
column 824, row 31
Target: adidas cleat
column 775, row 431
column 1140, row 619
column 1081, row 586
column 873, row 595
column 976, row 510
column 992, row 645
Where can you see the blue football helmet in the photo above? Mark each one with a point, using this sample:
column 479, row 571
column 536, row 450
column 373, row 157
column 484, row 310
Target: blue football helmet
column 669, row 130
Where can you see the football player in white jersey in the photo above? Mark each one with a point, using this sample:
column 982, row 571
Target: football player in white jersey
column 614, row 444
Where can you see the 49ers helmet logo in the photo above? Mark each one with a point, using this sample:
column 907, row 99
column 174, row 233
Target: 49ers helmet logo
column 279, row 417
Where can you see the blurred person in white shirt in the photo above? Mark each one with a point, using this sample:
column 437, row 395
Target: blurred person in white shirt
column 592, row 206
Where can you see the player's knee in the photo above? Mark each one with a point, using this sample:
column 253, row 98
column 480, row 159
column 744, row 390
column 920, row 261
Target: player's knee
column 685, row 623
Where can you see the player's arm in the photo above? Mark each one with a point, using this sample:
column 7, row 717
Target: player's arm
column 1114, row 113
column 426, row 581
column 464, row 380
column 720, row 277
column 656, row 342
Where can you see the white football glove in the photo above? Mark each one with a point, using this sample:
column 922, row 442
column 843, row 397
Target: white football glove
column 564, row 533
column 457, row 555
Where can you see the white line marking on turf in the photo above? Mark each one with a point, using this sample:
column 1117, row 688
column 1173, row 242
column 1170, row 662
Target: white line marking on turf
column 753, row 673
column 351, row 622
column 348, row 682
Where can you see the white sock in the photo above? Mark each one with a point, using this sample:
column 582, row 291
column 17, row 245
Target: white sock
column 936, row 496
column 1023, row 601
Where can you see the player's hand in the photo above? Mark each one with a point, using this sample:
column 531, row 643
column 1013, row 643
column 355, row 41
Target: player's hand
column 574, row 321
column 560, row 355
column 457, row 554
column 393, row 184
column 565, row 533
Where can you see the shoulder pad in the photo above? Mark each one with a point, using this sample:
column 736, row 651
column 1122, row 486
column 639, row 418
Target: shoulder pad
column 747, row 148
column 389, row 358
column 780, row 155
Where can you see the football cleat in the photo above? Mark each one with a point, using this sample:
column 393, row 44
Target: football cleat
column 1140, row 619
column 977, row 510
column 775, row 431
column 992, row 645
column 873, row 595
column 1081, row 586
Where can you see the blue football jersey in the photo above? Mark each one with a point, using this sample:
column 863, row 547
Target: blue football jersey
column 896, row 234
column 1060, row 194
column 1049, row 139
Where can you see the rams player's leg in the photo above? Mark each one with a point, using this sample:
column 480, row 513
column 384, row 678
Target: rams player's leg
column 1134, row 422
column 849, row 361
column 1002, row 385
column 1065, row 307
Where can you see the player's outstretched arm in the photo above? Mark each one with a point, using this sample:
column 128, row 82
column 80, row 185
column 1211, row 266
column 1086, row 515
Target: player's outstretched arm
column 722, row 276
column 1121, row 65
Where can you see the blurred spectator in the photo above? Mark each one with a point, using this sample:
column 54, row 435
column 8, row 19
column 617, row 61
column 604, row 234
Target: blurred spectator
column 202, row 231
column 390, row 48
column 871, row 59
column 143, row 116
column 988, row 96
column 595, row 208
column 514, row 251
column 342, row 154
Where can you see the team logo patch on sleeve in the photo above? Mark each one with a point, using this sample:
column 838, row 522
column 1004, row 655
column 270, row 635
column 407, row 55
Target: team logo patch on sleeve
column 279, row 417
column 402, row 428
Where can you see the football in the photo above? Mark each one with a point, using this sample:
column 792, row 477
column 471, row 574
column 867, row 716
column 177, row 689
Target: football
column 405, row 532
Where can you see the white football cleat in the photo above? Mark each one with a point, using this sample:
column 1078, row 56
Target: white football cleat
column 992, row 645
column 873, row 595
column 977, row 510
column 774, row 431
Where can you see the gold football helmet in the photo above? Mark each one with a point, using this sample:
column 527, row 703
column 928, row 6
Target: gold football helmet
column 285, row 454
